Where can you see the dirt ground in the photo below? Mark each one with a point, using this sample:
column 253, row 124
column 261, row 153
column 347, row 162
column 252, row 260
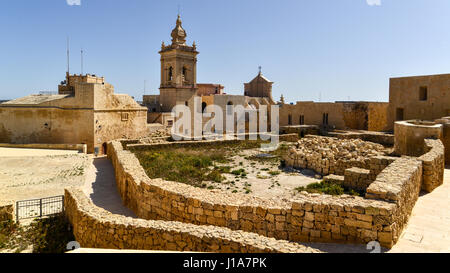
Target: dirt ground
column 264, row 177
column 39, row 173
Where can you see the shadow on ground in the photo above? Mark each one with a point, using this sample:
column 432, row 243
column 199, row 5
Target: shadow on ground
column 103, row 191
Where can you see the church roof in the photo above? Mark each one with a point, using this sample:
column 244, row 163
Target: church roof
column 261, row 77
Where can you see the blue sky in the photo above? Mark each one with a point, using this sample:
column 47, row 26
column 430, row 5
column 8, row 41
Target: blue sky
column 311, row 49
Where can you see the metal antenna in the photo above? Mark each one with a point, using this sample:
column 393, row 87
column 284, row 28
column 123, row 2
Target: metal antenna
column 68, row 56
column 145, row 85
column 178, row 9
column 259, row 67
column 81, row 61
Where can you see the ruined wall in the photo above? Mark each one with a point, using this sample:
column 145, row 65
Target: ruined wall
column 326, row 155
column 355, row 115
column 378, row 116
column 375, row 137
column 307, row 217
column 23, row 125
column 433, row 164
column 96, row 228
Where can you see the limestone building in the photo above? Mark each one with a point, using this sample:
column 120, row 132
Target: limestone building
column 419, row 97
column 371, row 116
column 85, row 111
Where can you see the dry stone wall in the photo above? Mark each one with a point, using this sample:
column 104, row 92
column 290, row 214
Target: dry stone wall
column 96, row 228
column 307, row 217
column 433, row 164
column 327, row 155
column 376, row 137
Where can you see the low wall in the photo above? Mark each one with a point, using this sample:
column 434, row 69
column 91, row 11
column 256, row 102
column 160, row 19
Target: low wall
column 82, row 148
column 327, row 155
column 400, row 182
column 410, row 135
column 306, row 217
column 376, row 137
column 433, row 164
column 96, row 228
column 6, row 211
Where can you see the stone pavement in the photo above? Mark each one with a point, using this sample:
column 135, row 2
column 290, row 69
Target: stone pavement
column 100, row 187
column 428, row 228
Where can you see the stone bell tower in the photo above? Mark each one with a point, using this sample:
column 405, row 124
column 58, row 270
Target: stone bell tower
column 178, row 70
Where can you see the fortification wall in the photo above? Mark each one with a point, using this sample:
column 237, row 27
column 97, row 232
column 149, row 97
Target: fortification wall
column 96, row 228
column 307, row 217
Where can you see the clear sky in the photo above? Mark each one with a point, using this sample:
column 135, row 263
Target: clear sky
column 311, row 49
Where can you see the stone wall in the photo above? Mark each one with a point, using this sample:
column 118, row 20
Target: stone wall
column 433, row 164
column 306, row 217
column 410, row 135
column 400, row 183
column 375, row 137
column 341, row 115
column 357, row 178
column 96, row 228
column 326, row 155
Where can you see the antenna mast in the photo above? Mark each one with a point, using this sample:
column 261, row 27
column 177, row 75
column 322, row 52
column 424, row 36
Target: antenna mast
column 81, row 61
column 68, row 57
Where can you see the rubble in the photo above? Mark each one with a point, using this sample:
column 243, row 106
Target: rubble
column 329, row 155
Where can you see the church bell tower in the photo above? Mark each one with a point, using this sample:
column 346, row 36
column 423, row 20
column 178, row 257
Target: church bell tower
column 178, row 70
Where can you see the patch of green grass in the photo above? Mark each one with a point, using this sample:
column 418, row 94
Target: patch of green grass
column 193, row 165
column 274, row 173
column 239, row 172
column 328, row 188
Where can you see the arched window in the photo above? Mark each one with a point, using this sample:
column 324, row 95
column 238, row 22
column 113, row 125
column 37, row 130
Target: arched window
column 290, row 119
column 204, row 106
column 184, row 72
column 170, row 73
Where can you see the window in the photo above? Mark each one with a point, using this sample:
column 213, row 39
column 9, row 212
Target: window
column 186, row 103
column 204, row 106
column 185, row 73
column 325, row 119
column 170, row 123
column 399, row 114
column 230, row 111
column 170, row 73
column 124, row 116
column 423, row 93
column 302, row 120
column 290, row 119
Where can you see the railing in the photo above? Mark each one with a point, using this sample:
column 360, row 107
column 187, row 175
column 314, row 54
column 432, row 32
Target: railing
column 38, row 208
